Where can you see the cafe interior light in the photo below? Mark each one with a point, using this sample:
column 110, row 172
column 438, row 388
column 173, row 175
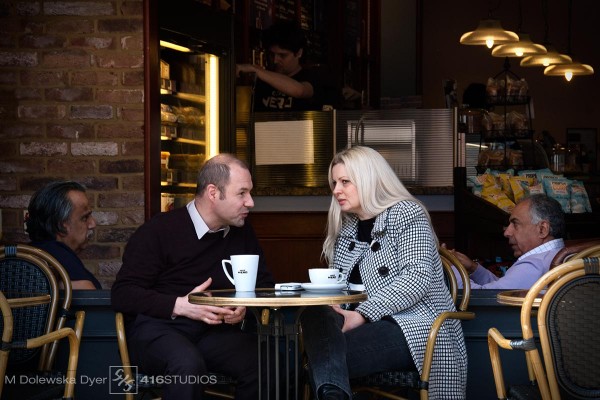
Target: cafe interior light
column 174, row 46
column 573, row 68
column 212, row 104
column 489, row 32
column 569, row 70
column 524, row 47
column 552, row 57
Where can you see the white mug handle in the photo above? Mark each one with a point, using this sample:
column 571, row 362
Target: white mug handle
column 223, row 262
column 341, row 278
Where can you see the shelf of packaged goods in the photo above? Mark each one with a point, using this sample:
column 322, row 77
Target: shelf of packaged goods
column 181, row 184
column 191, row 97
column 507, row 100
column 184, row 140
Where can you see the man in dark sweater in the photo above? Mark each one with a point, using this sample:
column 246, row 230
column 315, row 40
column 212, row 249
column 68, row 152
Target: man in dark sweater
column 180, row 252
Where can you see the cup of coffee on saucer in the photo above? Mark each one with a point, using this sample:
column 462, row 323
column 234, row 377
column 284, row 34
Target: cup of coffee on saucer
column 324, row 279
column 244, row 269
column 323, row 276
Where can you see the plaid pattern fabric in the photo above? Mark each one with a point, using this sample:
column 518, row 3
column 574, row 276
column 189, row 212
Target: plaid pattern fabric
column 402, row 273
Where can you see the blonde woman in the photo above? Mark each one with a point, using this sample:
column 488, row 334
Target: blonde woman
column 381, row 237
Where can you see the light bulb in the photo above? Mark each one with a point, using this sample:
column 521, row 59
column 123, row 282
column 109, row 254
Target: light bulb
column 489, row 43
column 569, row 76
column 546, row 62
column 519, row 52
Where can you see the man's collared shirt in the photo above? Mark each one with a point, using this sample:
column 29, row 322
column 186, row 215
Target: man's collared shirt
column 551, row 245
column 199, row 224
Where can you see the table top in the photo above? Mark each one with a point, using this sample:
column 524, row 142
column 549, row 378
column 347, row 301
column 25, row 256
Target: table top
column 275, row 298
column 517, row 297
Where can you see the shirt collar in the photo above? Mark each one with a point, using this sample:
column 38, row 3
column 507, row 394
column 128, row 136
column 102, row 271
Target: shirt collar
column 199, row 224
column 551, row 245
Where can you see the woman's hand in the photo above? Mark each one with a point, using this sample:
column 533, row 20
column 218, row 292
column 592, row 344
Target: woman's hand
column 352, row 319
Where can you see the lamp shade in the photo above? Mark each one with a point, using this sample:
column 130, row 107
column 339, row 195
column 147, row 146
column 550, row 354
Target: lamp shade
column 551, row 57
column 569, row 70
column 524, row 47
column 488, row 33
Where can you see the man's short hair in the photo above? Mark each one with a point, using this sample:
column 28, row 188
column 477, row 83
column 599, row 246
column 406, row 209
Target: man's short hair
column 216, row 172
column 543, row 207
column 285, row 34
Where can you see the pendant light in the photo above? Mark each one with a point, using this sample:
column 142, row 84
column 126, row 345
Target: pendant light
column 551, row 57
column 569, row 70
column 573, row 68
column 489, row 32
column 523, row 47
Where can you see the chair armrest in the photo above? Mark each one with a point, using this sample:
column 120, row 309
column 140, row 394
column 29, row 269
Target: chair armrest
column 433, row 332
column 53, row 336
column 496, row 340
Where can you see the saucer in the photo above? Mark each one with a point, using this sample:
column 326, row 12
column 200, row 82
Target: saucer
column 323, row 287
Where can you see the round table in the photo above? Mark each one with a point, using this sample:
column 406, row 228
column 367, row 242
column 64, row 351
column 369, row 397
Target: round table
column 274, row 325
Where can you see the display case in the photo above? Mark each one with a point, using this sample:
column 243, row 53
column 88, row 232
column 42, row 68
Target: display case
column 189, row 84
column 499, row 133
column 189, row 119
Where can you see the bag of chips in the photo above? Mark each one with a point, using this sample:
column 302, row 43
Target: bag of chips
column 580, row 202
column 498, row 198
column 559, row 189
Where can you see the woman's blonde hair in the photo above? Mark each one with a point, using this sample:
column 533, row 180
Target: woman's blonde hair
column 377, row 185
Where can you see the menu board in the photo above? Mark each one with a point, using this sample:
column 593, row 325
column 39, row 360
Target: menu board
column 307, row 15
column 261, row 13
column 285, row 10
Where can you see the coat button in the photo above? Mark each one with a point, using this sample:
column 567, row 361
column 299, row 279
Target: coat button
column 375, row 246
column 351, row 247
column 383, row 271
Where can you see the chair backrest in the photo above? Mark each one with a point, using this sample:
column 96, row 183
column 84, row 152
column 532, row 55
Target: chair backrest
column 568, row 327
column 26, row 271
column 7, row 334
column 449, row 260
column 571, row 248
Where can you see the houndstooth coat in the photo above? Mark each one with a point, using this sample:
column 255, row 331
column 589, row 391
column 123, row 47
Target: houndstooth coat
column 402, row 273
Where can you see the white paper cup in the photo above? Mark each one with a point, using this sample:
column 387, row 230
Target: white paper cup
column 244, row 268
column 324, row 276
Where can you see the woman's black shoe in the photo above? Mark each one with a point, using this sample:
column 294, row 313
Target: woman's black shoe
column 331, row 392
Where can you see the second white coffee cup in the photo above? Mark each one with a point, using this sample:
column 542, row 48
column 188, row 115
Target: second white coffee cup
column 322, row 276
column 244, row 268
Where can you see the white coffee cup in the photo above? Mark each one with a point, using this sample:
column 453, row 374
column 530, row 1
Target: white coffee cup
column 244, row 268
column 323, row 276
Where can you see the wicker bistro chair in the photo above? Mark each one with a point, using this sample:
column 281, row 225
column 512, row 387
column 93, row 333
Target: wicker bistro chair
column 146, row 384
column 387, row 384
column 567, row 321
column 25, row 273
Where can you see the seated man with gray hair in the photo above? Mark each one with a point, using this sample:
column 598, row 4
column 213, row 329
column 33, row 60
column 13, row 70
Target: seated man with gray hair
column 535, row 232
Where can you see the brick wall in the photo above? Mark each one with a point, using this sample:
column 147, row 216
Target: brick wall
column 71, row 107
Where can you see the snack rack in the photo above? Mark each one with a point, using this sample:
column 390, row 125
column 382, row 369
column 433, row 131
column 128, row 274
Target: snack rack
column 500, row 136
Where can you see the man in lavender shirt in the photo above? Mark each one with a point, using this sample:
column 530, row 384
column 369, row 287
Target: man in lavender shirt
column 535, row 231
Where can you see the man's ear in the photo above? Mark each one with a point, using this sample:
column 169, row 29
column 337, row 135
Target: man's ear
column 299, row 53
column 544, row 229
column 212, row 192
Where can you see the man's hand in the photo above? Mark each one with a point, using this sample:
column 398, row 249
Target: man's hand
column 470, row 265
column 211, row 315
column 247, row 68
column 352, row 319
